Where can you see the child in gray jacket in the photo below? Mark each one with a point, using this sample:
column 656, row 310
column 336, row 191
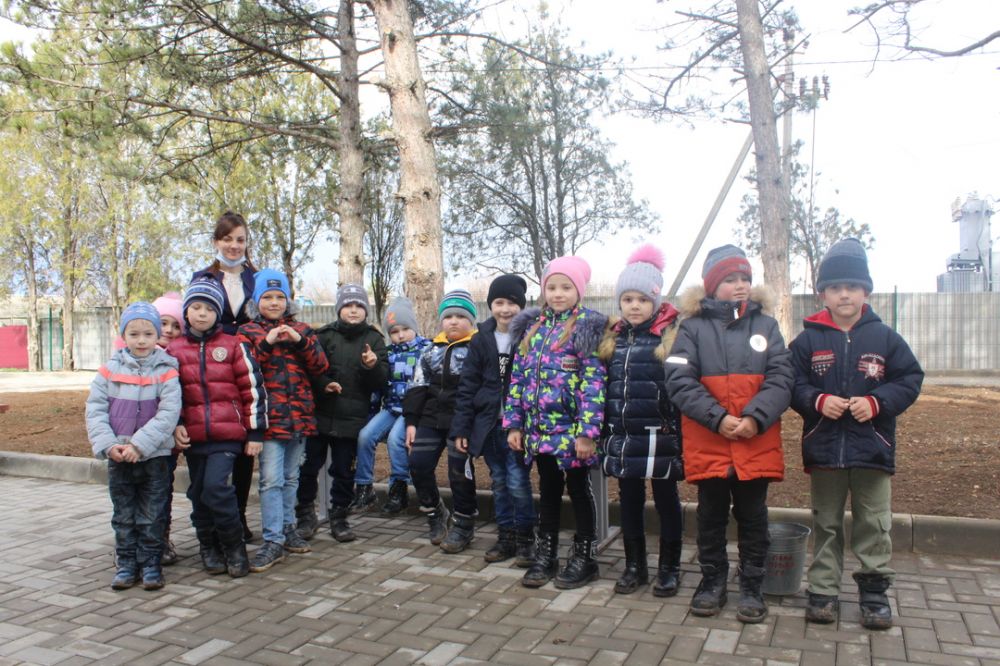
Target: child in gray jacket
column 133, row 407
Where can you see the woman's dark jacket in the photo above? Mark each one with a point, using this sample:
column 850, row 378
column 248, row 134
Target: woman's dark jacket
column 230, row 322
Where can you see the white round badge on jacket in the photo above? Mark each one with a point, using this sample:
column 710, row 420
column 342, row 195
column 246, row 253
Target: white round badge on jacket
column 758, row 342
column 220, row 354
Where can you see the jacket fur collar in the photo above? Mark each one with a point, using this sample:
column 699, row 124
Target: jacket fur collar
column 587, row 331
column 690, row 301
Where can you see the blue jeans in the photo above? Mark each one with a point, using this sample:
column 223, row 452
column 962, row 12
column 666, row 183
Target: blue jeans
column 511, row 482
column 279, row 482
column 385, row 422
column 138, row 492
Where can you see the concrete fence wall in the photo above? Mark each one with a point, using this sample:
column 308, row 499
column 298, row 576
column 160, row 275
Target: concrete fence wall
column 948, row 332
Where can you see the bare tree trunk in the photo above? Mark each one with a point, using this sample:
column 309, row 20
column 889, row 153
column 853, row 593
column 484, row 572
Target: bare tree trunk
column 31, row 281
column 419, row 189
column 68, row 264
column 772, row 195
column 351, row 262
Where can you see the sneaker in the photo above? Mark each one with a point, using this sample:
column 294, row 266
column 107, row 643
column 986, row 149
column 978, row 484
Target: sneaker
column 127, row 574
column 294, row 543
column 152, row 578
column 267, row 556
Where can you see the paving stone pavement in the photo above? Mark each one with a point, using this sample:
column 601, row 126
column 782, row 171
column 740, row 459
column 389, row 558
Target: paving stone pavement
column 392, row 598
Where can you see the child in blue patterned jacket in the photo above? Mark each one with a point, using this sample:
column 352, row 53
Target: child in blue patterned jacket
column 133, row 407
column 400, row 324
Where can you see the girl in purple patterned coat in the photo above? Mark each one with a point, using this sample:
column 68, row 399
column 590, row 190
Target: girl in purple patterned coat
column 554, row 411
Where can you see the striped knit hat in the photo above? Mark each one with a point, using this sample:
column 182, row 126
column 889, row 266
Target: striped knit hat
column 140, row 310
column 207, row 290
column 719, row 263
column 458, row 302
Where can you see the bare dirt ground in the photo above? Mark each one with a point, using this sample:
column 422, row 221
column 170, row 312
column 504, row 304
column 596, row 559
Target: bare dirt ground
column 948, row 458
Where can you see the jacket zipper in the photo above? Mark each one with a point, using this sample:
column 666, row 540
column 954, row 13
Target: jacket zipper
column 538, row 364
column 204, row 391
column 844, row 378
column 628, row 353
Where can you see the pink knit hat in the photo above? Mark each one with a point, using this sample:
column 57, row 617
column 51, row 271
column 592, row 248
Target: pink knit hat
column 573, row 267
column 170, row 305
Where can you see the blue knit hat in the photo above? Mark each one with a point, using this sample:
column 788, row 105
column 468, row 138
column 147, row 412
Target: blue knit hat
column 207, row 290
column 140, row 310
column 269, row 279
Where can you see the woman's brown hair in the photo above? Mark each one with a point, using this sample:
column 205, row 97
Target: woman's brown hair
column 224, row 226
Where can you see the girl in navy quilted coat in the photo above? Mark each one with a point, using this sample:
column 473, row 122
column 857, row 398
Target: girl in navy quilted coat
column 642, row 436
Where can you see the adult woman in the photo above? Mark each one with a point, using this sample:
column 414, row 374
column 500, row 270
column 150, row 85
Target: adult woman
column 234, row 271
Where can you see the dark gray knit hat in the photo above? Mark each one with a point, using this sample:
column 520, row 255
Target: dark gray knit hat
column 846, row 262
column 400, row 313
column 352, row 293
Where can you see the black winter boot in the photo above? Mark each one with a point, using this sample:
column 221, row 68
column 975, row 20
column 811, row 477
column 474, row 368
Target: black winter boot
column 397, row 498
column 306, row 520
column 463, row 530
column 339, row 528
column 210, row 550
column 169, row 556
column 581, row 567
column 234, row 549
column 364, row 499
column 636, row 569
column 822, row 608
column 546, row 563
column 524, row 555
column 505, row 547
column 751, row 607
column 875, row 610
column 127, row 574
column 247, row 533
column 710, row 596
column 437, row 521
column 668, row 573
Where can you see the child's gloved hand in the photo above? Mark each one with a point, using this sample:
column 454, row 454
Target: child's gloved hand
column 585, row 447
column 515, row 440
column 861, row 408
column 368, row 358
column 834, row 406
column 728, row 426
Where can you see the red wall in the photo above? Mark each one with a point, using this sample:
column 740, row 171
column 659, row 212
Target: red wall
column 14, row 347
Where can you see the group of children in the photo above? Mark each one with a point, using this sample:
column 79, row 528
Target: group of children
column 657, row 393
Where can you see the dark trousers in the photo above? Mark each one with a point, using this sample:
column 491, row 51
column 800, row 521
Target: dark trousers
column 551, row 482
column 168, row 502
column 633, row 504
column 242, row 480
column 213, row 497
column 424, row 455
column 137, row 495
column 748, row 500
column 343, row 460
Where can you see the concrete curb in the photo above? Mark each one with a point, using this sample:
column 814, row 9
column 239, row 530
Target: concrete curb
column 945, row 535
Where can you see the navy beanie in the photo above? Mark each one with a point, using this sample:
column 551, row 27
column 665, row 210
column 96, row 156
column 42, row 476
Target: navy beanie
column 846, row 262
column 207, row 290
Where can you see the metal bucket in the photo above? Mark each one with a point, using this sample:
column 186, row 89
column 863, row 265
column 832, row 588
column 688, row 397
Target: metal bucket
column 786, row 558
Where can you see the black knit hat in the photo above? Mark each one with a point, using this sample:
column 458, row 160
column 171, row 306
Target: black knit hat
column 845, row 263
column 511, row 287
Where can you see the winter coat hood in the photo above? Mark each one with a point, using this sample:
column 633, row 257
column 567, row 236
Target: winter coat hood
column 693, row 302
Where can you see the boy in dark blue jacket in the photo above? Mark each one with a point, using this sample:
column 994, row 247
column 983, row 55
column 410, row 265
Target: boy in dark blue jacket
column 477, row 430
column 853, row 376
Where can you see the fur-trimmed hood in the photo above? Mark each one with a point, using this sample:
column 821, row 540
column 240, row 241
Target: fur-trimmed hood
column 587, row 331
column 664, row 322
column 690, row 302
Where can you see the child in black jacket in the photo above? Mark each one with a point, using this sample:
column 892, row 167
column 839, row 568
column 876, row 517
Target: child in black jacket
column 853, row 376
column 477, row 429
column 428, row 407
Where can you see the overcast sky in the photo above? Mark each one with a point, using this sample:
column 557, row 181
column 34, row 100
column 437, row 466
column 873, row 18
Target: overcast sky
column 895, row 144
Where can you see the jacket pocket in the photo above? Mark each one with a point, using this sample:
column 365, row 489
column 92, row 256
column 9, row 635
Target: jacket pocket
column 882, row 438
